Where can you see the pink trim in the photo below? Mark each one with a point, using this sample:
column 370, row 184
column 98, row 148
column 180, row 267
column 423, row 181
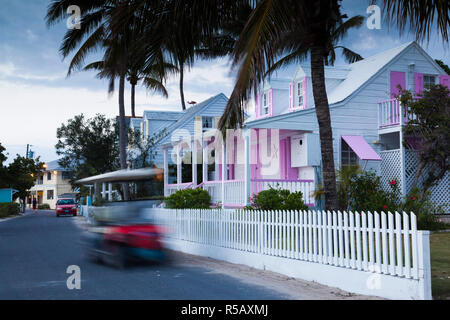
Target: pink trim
column 418, row 79
column 445, row 80
column 397, row 78
column 270, row 97
column 296, row 107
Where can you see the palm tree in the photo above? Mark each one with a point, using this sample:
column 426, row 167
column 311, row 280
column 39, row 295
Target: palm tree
column 292, row 29
column 421, row 16
column 97, row 34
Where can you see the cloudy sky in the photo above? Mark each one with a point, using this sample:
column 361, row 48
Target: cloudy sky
column 36, row 97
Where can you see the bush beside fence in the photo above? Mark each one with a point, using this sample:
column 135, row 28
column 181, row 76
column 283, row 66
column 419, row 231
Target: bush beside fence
column 9, row 209
column 364, row 244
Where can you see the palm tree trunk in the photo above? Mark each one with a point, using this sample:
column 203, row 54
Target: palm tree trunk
column 326, row 134
column 183, row 104
column 123, row 137
column 133, row 100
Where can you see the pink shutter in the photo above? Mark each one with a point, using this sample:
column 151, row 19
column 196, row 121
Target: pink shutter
column 445, row 81
column 257, row 105
column 305, row 93
column 418, row 79
column 291, row 96
column 270, row 102
column 397, row 78
column 254, row 152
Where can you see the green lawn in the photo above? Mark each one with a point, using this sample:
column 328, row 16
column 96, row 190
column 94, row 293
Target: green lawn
column 440, row 265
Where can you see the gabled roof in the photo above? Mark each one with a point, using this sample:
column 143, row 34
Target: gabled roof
column 334, row 72
column 163, row 115
column 54, row 166
column 190, row 112
column 362, row 71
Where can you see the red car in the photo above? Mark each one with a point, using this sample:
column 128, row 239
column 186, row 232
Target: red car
column 66, row 207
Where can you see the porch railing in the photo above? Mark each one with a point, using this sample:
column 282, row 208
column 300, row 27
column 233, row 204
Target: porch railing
column 172, row 188
column 306, row 187
column 392, row 113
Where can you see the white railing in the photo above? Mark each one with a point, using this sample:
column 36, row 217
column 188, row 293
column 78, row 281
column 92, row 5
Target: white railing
column 214, row 189
column 172, row 188
column 235, row 193
column 392, row 113
column 375, row 243
column 306, row 187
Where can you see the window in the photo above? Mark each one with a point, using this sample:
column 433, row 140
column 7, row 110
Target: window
column 208, row 123
column 40, row 180
column 50, row 194
column 428, row 81
column 348, row 157
column 49, row 176
column 265, row 109
column 300, row 93
column 66, row 175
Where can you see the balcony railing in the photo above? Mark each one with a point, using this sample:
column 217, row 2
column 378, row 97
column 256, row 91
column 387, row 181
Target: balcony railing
column 172, row 188
column 392, row 113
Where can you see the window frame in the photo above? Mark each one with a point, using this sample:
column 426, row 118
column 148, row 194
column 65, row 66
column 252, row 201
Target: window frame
column 265, row 104
column 351, row 158
column 52, row 193
column 204, row 128
column 426, row 86
column 300, row 93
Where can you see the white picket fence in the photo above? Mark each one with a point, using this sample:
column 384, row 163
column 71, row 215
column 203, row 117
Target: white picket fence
column 387, row 244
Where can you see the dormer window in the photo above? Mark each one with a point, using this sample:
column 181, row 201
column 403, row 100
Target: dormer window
column 300, row 93
column 265, row 109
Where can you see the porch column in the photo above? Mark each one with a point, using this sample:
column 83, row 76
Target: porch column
column 104, row 190
column 166, row 170
column 179, row 165
column 194, row 162
column 110, row 192
column 205, row 160
column 402, row 154
column 224, row 171
column 247, row 170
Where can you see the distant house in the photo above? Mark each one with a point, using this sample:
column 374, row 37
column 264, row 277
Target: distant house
column 51, row 184
column 201, row 116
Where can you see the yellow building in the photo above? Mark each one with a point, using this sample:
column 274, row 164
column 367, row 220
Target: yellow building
column 52, row 184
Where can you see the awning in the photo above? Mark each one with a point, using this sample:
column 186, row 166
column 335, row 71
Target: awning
column 362, row 149
column 123, row 176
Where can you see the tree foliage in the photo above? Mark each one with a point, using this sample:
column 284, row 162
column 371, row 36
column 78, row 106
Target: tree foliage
column 430, row 126
column 88, row 146
column 143, row 151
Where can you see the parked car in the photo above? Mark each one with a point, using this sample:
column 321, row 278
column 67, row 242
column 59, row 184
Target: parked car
column 66, row 206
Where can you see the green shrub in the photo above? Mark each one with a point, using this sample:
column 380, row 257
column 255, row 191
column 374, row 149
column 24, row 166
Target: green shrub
column 277, row 199
column 9, row 209
column 189, row 199
column 365, row 193
column 44, row 206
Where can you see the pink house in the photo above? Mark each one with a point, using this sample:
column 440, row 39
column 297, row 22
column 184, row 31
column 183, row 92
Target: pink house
column 279, row 145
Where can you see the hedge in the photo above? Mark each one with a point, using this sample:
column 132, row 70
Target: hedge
column 44, row 206
column 9, row 209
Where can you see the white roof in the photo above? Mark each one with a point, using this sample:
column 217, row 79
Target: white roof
column 362, row 71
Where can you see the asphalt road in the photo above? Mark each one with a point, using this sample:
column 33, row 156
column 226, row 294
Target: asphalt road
column 36, row 249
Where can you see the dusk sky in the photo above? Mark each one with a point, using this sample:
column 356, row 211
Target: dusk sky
column 36, row 97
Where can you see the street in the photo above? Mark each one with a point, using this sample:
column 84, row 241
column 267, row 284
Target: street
column 36, row 249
